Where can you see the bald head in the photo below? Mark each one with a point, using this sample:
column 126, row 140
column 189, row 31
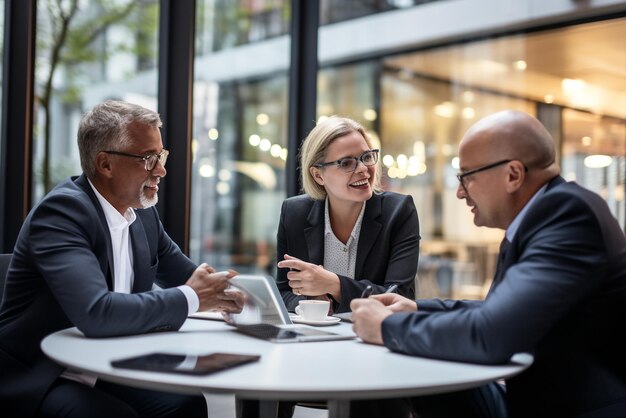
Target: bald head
column 511, row 134
column 514, row 155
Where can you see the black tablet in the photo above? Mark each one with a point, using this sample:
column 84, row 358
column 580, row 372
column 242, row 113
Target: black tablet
column 186, row 364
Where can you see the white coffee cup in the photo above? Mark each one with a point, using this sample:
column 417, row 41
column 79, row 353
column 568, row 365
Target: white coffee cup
column 313, row 310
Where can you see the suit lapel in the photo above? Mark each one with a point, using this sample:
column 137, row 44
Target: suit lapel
column 314, row 235
column 510, row 256
column 107, row 268
column 370, row 229
column 141, row 257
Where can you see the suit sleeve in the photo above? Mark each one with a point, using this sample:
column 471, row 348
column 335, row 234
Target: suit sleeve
column 562, row 257
column 401, row 264
column 64, row 241
column 291, row 300
column 433, row 305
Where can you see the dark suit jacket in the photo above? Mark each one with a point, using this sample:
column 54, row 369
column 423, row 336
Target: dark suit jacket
column 562, row 298
column 388, row 248
column 61, row 276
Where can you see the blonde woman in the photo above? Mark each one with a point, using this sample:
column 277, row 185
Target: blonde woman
column 344, row 233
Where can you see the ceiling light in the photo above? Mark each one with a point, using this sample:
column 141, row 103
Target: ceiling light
column 370, row 115
column 520, row 65
column 254, row 140
column 598, row 161
column 265, row 144
column 206, row 171
column 275, row 150
column 262, row 118
column 468, row 113
column 445, row 110
column 570, row 85
column 224, row 174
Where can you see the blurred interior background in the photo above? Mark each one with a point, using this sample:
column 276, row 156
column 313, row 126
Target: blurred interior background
column 417, row 74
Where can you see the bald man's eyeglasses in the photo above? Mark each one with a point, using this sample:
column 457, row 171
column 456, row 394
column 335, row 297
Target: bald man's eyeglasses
column 461, row 176
column 150, row 160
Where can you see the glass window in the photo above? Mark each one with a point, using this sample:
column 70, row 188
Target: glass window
column 239, row 134
column 593, row 155
column 87, row 52
column 349, row 90
column 333, row 11
column 226, row 24
column 419, row 105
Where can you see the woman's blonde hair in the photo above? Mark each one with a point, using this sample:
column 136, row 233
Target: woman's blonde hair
column 315, row 147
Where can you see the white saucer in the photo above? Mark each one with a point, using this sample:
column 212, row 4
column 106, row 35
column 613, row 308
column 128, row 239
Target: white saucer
column 330, row 320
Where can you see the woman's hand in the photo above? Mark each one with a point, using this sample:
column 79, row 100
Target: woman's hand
column 309, row 279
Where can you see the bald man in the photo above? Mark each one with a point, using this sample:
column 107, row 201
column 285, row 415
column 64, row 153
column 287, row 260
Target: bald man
column 559, row 290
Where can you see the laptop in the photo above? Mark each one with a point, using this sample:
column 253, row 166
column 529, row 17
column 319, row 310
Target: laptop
column 265, row 315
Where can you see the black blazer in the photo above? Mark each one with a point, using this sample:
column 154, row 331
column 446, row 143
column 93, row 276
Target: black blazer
column 61, row 276
column 562, row 298
column 388, row 249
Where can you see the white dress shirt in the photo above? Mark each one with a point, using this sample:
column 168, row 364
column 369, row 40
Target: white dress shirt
column 340, row 258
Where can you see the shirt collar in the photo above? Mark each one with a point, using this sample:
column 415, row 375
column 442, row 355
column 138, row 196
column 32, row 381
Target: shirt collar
column 512, row 229
column 115, row 220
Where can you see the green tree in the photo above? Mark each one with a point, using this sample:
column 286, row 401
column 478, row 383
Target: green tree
column 71, row 36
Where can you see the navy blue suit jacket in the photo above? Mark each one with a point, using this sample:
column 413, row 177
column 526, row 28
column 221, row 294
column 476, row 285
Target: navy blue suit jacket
column 387, row 254
column 61, row 276
column 562, row 298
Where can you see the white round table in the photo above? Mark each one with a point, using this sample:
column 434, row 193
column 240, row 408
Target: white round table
column 337, row 371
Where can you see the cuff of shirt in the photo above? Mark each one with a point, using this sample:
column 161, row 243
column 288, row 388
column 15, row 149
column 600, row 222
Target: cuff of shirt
column 193, row 303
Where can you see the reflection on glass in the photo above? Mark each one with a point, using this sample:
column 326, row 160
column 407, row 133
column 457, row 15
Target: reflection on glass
column 333, row 11
column 419, row 122
column 226, row 24
column 87, row 52
column 593, row 155
column 239, row 133
column 420, row 104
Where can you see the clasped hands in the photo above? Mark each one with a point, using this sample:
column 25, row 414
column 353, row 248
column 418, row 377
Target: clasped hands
column 213, row 290
column 368, row 314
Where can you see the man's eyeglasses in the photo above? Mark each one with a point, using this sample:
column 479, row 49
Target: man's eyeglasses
column 150, row 160
column 349, row 164
column 461, row 176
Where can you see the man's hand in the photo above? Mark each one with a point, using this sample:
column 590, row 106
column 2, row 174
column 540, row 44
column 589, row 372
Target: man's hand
column 396, row 302
column 309, row 279
column 368, row 315
column 210, row 287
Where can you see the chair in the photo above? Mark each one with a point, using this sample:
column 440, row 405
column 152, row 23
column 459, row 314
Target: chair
column 5, row 259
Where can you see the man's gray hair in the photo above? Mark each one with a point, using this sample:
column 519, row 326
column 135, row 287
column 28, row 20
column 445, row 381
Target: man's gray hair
column 105, row 127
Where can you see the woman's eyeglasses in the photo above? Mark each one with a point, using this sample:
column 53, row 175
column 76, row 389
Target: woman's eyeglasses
column 150, row 160
column 349, row 164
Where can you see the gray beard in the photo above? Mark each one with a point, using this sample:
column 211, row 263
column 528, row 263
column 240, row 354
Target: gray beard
column 147, row 202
